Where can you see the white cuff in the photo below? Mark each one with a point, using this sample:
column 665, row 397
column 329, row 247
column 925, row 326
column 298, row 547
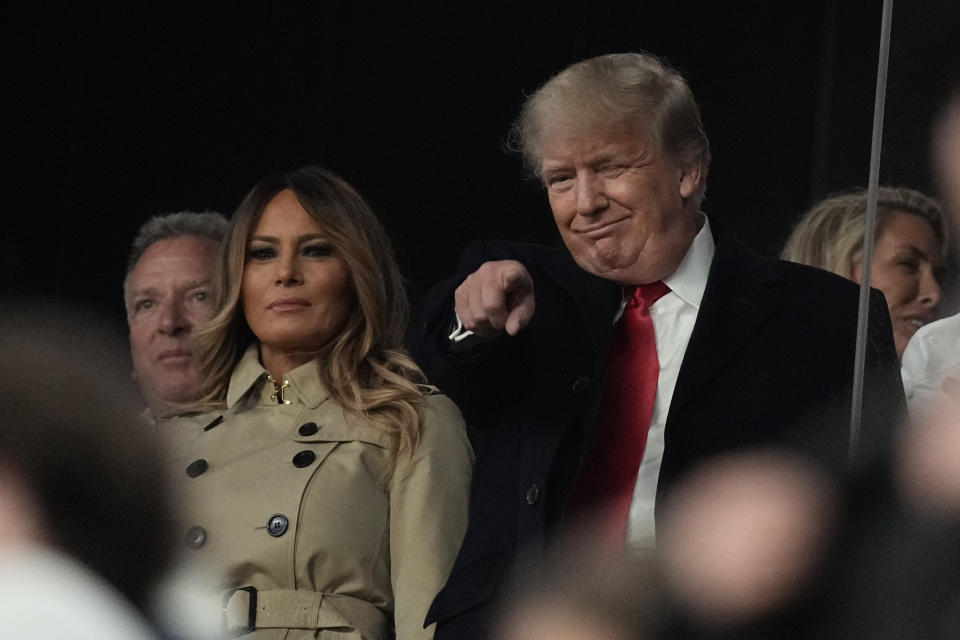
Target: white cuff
column 459, row 333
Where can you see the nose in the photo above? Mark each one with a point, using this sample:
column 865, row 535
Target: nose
column 590, row 195
column 930, row 292
column 173, row 319
column 288, row 270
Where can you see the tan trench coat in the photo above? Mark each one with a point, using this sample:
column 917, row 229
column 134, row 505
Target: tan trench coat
column 303, row 502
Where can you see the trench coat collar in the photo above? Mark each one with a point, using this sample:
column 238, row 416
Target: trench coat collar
column 249, row 379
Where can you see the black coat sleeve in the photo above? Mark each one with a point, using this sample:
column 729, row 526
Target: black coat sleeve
column 884, row 404
column 472, row 377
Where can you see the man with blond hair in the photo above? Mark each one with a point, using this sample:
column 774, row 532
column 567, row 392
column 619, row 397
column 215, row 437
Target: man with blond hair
column 597, row 376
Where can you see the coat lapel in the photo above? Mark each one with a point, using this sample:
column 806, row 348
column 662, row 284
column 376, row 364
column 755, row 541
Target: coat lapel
column 740, row 296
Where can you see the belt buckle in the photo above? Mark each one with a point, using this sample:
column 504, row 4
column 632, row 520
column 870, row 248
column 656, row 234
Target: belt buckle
column 234, row 629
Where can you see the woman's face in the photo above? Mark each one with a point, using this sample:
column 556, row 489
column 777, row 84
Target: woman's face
column 296, row 292
column 906, row 267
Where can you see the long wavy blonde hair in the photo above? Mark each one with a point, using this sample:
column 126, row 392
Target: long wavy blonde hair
column 364, row 368
column 830, row 235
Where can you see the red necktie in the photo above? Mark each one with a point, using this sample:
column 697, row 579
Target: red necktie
column 609, row 471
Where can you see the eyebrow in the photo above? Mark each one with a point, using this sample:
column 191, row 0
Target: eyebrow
column 913, row 249
column 599, row 158
column 274, row 240
column 152, row 291
column 142, row 292
column 936, row 259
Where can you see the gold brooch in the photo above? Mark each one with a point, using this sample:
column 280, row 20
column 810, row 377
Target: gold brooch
column 278, row 388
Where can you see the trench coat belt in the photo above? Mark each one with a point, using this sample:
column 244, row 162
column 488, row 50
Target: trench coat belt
column 248, row 608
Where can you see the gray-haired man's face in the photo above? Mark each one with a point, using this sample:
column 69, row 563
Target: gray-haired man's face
column 167, row 297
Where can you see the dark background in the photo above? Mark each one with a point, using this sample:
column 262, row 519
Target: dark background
column 114, row 113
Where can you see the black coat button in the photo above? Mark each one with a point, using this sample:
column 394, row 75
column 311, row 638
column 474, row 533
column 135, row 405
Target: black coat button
column 533, row 495
column 197, row 467
column 277, row 525
column 308, row 429
column 196, row 537
column 304, row 458
column 581, row 384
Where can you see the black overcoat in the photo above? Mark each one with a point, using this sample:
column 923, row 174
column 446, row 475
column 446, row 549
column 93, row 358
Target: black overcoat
column 770, row 362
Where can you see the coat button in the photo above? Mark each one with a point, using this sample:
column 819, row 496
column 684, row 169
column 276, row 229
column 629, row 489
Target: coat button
column 308, row 429
column 197, row 467
column 196, row 537
column 277, row 525
column 304, row 459
column 580, row 384
column 533, row 495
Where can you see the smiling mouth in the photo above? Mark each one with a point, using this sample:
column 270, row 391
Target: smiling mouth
column 599, row 229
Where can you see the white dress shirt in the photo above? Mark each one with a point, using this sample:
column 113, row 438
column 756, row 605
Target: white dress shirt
column 931, row 359
column 673, row 318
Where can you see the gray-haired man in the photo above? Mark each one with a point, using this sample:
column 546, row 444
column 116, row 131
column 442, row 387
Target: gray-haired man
column 166, row 294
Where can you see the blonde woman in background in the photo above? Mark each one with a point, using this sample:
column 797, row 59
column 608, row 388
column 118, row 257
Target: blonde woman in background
column 328, row 486
column 908, row 259
column 931, row 363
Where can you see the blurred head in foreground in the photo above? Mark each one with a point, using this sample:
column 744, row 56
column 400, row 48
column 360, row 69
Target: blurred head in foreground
column 743, row 538
column 581, row 597
column 945, row 151
column 76, row 473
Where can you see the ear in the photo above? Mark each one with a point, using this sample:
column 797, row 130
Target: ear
column 690, row 178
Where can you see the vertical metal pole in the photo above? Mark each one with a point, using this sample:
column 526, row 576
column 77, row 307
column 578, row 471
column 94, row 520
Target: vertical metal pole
column 869, row 233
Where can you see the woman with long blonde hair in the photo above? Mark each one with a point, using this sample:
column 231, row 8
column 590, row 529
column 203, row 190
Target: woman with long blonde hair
column 325, row 484
column 908, row 259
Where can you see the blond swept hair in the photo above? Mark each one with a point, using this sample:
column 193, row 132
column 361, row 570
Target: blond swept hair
column 830, row 235
column 364, row 368
column 638, row 90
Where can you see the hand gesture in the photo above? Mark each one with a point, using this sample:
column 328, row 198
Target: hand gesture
column 496, row 297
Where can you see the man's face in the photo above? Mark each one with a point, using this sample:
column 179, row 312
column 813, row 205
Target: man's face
column 622, row 206
column 167, row 297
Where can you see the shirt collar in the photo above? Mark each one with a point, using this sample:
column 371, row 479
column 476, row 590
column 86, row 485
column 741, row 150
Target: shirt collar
column 689, row 280
column 249, row 377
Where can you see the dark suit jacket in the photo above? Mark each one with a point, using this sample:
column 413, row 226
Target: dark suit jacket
column 770, row 362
